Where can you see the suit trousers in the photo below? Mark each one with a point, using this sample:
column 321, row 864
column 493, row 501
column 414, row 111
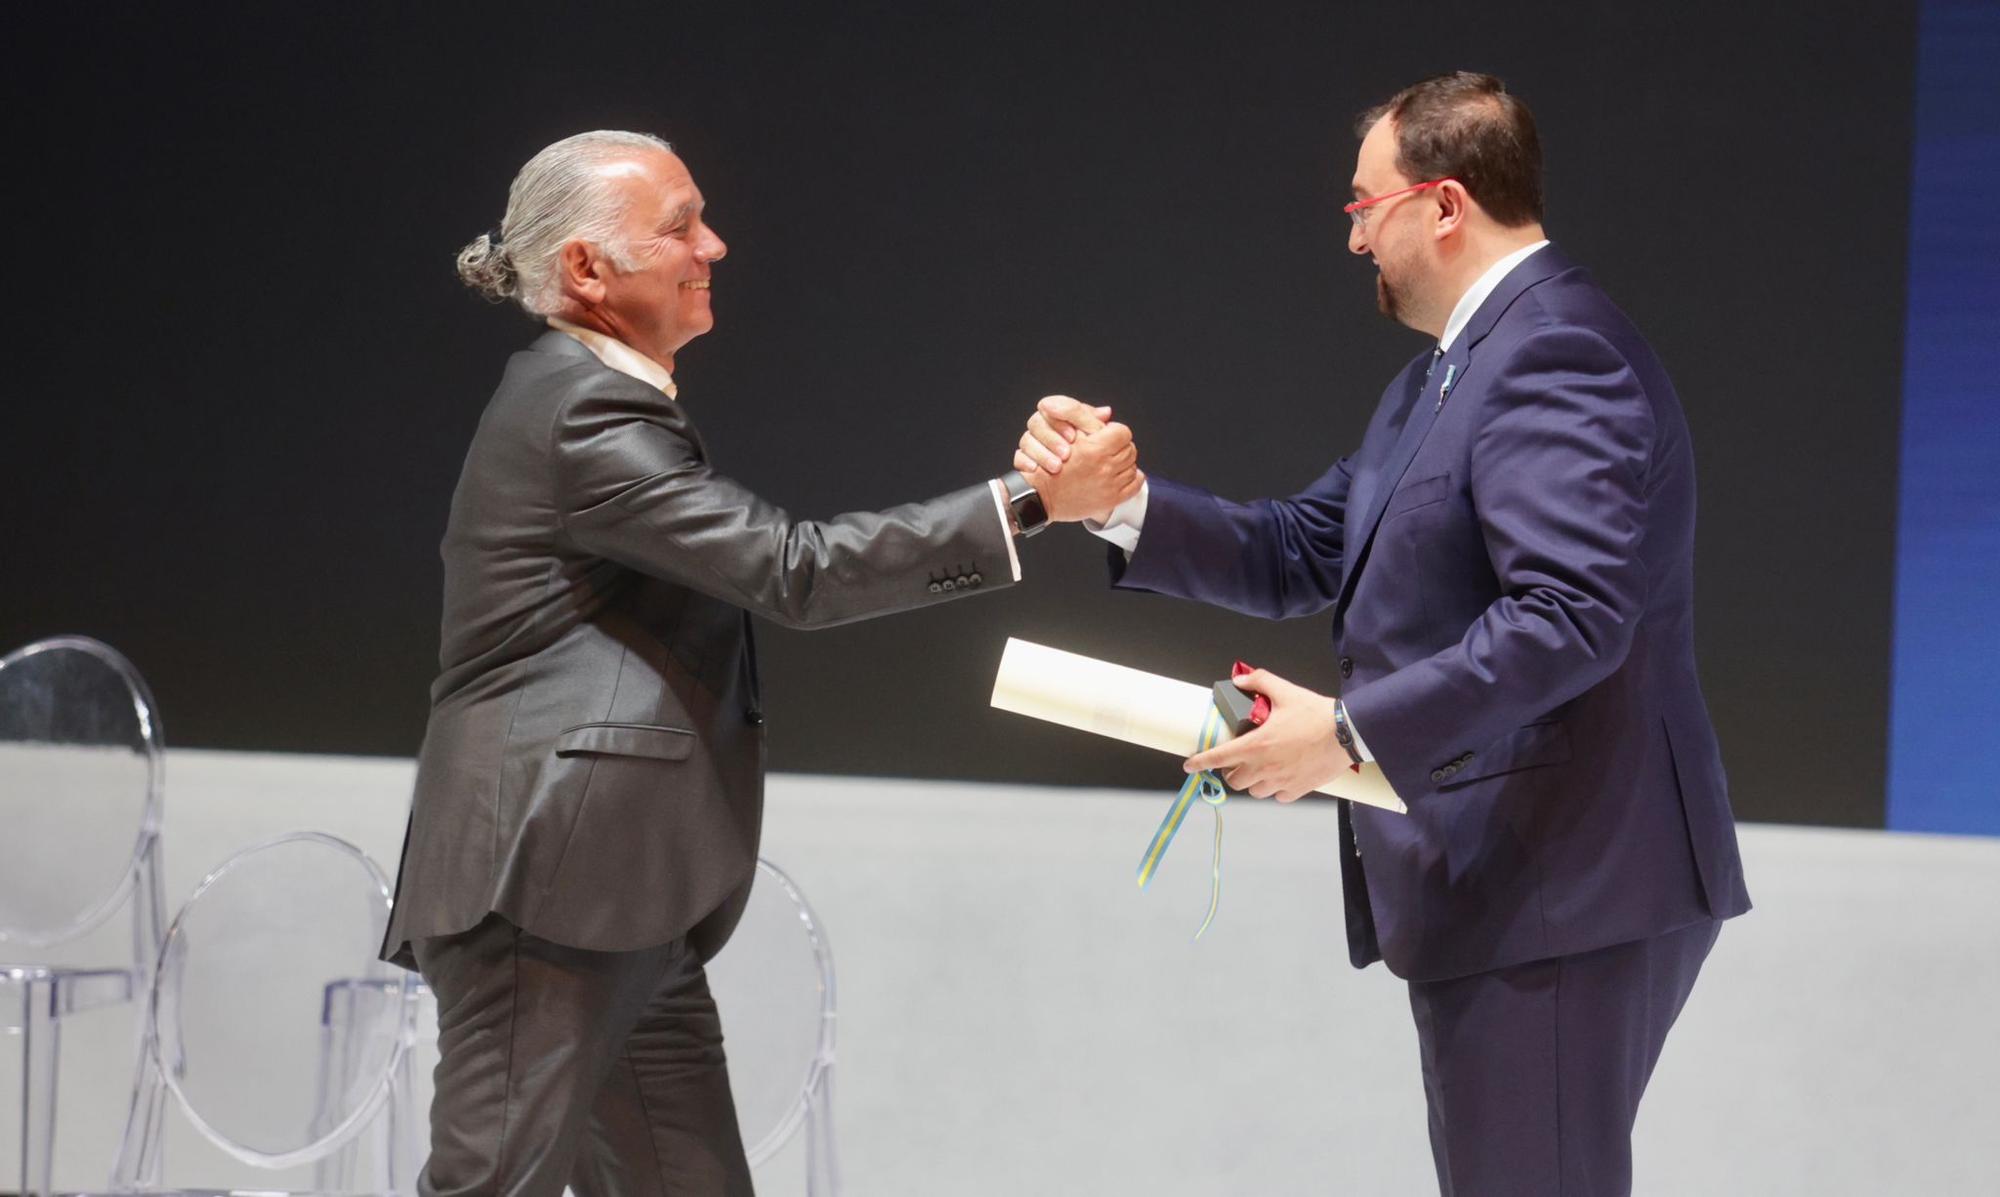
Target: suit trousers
column 1533, row 1073
column 603, row 1071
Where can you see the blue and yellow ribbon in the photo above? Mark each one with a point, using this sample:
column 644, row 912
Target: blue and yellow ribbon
column 1206, row 786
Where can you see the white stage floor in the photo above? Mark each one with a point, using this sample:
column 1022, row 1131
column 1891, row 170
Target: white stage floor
column 1016, row 1017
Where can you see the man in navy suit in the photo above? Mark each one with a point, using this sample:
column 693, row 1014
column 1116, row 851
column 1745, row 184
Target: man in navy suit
column 1509, row 559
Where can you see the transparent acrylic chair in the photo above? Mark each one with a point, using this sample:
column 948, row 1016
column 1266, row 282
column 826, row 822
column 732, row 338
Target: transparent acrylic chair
column 238, row 1029
column 80, row 768
column 773, row 984
column 402, row 1137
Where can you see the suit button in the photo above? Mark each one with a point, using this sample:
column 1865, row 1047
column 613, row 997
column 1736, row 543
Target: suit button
column 1347, row 667
column 948, row 584
column 977, row 580
column 937, row 587
column 754, row 717
column 1437, row 775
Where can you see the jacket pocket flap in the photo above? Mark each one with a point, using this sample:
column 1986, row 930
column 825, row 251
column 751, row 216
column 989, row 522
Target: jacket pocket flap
column 1522, row 748
column 627, row 739
column 1417, row 494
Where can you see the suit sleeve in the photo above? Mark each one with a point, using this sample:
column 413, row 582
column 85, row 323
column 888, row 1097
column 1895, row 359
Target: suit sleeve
column 1558, row 478
column 631, row 487
column 1273, row 558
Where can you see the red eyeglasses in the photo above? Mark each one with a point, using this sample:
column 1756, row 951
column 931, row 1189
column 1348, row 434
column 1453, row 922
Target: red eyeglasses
column 1358, row 210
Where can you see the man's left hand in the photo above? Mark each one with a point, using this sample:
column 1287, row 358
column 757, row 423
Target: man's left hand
column 1291, row 754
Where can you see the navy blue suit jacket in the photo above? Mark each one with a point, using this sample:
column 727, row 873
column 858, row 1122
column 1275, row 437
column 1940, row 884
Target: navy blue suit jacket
column 1511, row 575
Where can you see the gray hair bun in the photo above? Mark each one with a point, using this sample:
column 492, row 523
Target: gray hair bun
column 561, row 195
column 485, row 266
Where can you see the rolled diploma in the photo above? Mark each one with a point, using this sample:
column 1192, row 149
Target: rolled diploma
column 1136, row 707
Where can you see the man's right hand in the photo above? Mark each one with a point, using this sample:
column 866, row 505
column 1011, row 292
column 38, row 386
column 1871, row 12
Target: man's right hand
column 1080, row 464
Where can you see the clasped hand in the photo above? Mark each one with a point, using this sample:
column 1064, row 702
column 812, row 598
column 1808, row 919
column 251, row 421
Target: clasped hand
column 1084, row 466
column 1080, row 463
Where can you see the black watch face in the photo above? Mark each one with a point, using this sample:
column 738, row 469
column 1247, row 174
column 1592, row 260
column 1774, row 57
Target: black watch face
column 1031, row 513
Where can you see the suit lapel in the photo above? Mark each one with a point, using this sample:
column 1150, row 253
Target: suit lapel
column 1423, row 413
column 1408, row 392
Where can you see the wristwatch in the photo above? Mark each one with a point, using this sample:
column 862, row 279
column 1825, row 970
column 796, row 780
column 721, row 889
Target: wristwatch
column 1345, row 734
column 1024, row 505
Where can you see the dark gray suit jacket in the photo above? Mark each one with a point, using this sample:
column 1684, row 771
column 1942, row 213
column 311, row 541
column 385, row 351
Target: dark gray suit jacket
column 593, row 766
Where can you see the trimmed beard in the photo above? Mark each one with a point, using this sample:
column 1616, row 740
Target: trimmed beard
column 1385, row 297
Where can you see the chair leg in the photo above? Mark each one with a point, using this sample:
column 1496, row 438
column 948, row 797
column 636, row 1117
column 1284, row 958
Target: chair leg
column 335, row 1172
column 822, row 1160
column 141, row 1150
column 41, row 1037
column 138, row 1165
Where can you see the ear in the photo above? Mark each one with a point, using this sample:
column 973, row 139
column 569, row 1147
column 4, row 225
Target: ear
column 580, row 271
column 1454, row 207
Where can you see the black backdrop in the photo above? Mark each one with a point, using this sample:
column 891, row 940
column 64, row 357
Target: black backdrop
column 242, row 374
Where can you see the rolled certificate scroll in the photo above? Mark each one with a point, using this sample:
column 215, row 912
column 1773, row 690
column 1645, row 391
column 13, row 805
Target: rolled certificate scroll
column 1136, row 707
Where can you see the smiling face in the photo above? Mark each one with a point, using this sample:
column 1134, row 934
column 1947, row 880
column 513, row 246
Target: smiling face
column 656, row 299
column 1398, row 233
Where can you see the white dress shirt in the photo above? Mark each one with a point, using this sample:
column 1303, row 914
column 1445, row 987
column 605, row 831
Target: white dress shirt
column 1123, row 525
column 628, row 361
column 1476, row 294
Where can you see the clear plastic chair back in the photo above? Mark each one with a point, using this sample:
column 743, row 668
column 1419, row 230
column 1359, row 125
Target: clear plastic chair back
column 273, row 1023
column 79, row 787
column 773, row 984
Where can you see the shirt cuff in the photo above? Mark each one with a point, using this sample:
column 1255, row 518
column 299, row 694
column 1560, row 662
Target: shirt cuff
column 1360, row 745
column 1123, row 525
column 1006, row 526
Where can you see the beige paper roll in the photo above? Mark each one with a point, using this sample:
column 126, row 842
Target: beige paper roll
column 1136, row 707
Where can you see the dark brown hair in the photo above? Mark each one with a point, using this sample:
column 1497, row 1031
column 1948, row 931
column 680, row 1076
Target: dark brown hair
column 1465, row 126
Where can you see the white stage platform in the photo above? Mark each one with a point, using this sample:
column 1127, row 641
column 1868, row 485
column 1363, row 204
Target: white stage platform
column 1016, row 1017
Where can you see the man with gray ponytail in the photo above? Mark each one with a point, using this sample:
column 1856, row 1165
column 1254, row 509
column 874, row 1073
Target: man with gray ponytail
column 588, row 798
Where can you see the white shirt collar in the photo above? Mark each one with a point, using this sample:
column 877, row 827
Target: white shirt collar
column 620, row 356
column 1476, row 294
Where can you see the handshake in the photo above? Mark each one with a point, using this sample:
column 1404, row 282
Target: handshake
column 1079, row 462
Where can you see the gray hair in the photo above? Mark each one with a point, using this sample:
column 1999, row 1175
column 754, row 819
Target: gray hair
column 560, row 196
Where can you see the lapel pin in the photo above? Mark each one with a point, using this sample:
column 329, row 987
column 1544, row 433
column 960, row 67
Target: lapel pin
column 1445, row 389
